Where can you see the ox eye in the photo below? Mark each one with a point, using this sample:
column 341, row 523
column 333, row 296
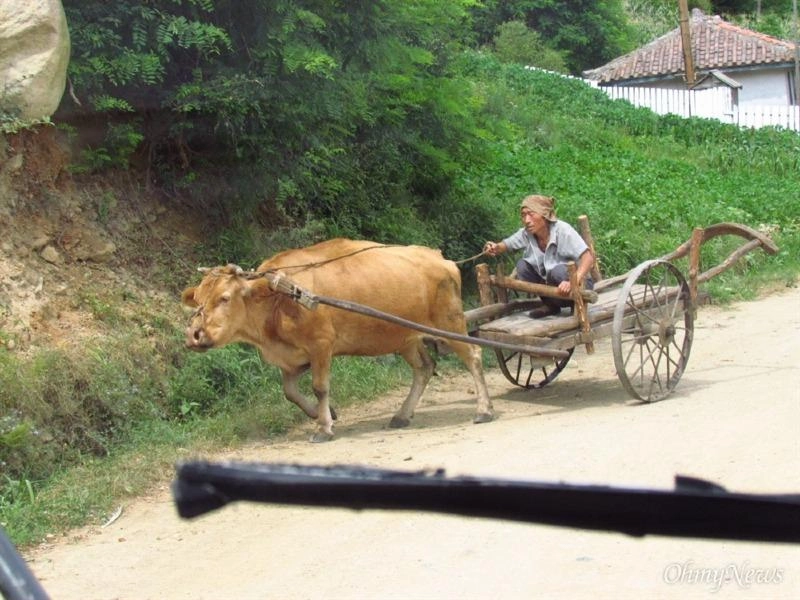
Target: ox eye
column 224, row 299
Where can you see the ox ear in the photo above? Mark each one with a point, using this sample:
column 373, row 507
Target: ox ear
column 187, row 297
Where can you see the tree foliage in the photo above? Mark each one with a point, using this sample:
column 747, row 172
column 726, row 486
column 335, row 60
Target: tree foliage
column 587, row 32
column 652, row 18
column 516, row 43
column 346, row 111
column 352, row 114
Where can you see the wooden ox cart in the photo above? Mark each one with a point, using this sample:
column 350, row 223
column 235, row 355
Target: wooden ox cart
column 649, row 313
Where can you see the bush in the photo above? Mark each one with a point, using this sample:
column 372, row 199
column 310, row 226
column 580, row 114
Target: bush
column 516, row 43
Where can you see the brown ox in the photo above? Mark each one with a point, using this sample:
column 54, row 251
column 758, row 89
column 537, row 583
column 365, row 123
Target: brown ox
column 411, row 282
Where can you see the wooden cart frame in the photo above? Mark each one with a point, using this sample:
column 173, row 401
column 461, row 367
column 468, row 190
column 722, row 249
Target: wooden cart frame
column 648, row 312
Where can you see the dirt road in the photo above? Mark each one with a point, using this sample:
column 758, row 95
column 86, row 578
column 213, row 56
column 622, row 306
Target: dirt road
column 734, row 419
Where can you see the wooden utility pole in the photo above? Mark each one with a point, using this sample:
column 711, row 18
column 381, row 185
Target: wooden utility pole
column 686, row 42
column 796, row 55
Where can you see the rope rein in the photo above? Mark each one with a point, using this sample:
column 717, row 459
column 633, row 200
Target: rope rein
column 311, row 265
column 471, row 258
column 283, row 284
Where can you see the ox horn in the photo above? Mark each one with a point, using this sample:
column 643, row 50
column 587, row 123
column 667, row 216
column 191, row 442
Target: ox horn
column 230, row 268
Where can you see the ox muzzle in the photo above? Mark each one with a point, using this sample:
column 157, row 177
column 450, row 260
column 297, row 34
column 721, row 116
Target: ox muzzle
column 196, row 336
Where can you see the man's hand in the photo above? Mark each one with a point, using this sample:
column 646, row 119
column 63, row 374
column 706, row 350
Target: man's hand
column 492, row 248
column 564, row 288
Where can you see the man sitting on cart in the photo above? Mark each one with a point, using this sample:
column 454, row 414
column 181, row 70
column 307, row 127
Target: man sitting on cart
column 548, row 245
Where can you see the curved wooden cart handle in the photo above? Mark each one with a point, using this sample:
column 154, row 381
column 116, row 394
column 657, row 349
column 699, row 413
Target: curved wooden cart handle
column 699, row 237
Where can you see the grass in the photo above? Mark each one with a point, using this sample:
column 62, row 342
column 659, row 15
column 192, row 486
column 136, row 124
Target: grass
column 79, row 472
column 643, row 180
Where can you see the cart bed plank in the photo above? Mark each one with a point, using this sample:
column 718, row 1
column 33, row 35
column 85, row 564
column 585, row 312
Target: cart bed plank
column 521, row 324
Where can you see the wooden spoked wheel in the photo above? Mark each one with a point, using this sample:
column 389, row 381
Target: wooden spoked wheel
column 652, row 330
column 525, row 370
column 530, row 372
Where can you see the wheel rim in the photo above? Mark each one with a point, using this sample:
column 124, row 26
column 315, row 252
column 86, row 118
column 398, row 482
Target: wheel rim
column 653, row 330
column 529, row 371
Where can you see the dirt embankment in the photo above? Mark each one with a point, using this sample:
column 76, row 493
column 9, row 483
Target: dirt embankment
column 67, row 244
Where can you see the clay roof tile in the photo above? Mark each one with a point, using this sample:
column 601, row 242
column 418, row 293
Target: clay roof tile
column 716, row 44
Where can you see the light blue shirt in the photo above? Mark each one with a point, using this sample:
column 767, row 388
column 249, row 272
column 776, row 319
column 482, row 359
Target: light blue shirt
column 565, row 245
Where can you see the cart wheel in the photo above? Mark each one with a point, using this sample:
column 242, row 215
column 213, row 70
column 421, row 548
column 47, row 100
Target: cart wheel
column 530, row 372
column 525, row 370
column 652, row 330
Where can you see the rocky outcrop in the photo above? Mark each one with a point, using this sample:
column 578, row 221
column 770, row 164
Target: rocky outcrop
column 34, row 53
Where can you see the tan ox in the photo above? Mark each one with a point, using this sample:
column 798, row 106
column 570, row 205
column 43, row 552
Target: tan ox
column 411, row 282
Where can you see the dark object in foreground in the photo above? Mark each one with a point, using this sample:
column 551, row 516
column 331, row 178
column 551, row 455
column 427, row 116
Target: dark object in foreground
column 17, row 582
column 696, row 508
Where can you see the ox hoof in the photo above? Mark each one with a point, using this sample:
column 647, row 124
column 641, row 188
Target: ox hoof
column 334, row 416
column 321, row 436
column 483, row 418
column 399, row 423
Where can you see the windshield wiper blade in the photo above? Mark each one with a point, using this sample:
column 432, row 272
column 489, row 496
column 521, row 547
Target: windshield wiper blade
column 695, row 508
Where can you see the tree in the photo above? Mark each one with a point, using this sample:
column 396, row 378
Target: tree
column 587, row 32
column 516, row 43
column 342, row 110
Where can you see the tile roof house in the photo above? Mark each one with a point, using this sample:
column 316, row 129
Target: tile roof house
column 759, row 66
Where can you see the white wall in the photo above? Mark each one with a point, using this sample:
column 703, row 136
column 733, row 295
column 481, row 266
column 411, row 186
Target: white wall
column 763, row 86
column 713, row 103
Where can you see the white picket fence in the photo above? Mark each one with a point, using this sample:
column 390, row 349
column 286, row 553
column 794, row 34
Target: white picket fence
column 712, row 103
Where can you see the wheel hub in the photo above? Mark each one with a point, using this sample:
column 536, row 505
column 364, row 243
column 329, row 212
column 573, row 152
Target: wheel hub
column 666, row 333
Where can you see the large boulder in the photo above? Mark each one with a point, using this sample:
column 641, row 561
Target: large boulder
column 34, row 52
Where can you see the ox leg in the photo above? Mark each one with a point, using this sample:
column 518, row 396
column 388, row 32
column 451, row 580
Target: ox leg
column 422, row 366
column 292, row 392
column 320, row 381
column 470, row 355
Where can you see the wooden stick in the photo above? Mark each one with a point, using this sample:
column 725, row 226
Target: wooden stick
column 484, row 284
column 539, row 289
column 694, row 265
column 500, row 309
column 728, row 262
column 501, row 293
column 580, row 306
column 586, row 234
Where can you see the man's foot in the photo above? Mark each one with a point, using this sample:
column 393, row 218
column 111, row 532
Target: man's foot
column 544, row 311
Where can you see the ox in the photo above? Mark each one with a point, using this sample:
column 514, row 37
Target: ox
column 411, row 282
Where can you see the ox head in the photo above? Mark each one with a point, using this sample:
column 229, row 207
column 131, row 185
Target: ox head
column 221, row 308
